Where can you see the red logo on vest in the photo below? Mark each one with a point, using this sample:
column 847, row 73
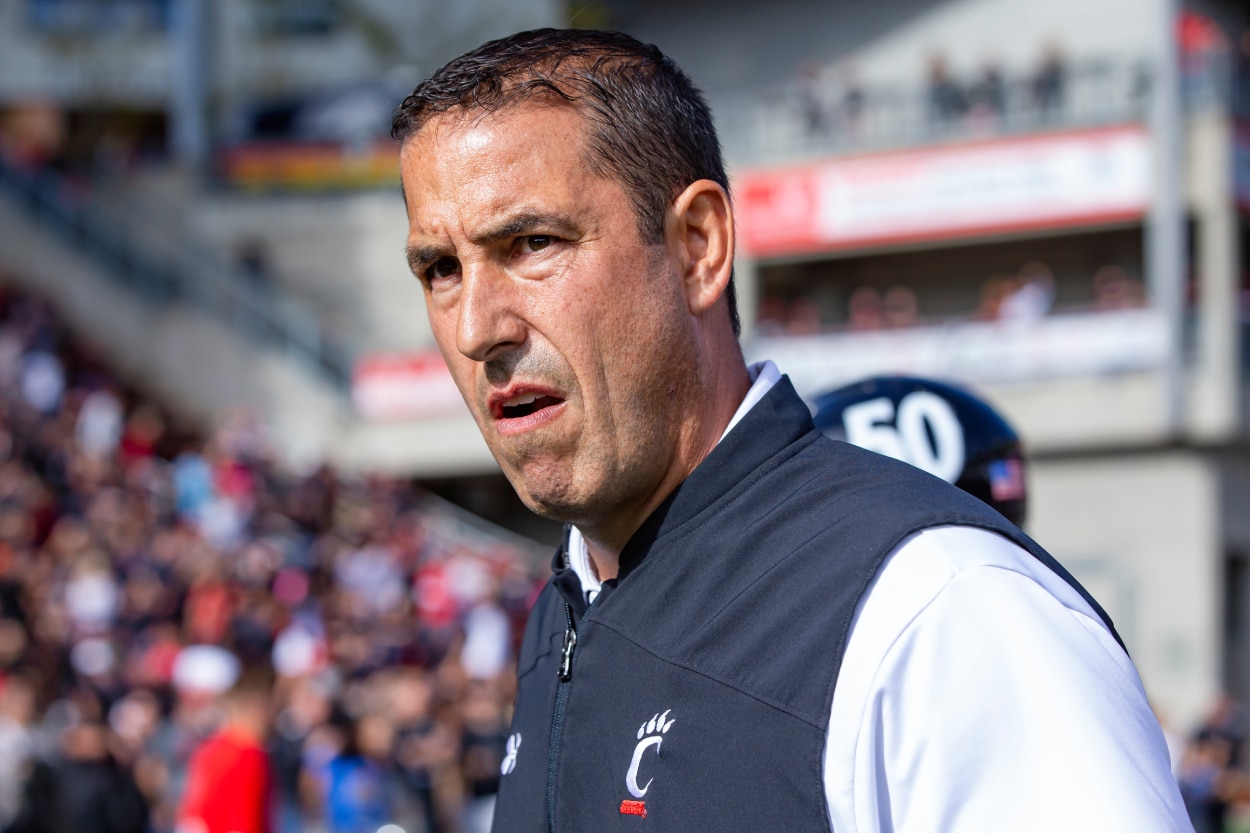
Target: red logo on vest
column 634, row 808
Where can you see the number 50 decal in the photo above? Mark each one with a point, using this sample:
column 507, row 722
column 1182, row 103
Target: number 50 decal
column 937, row 449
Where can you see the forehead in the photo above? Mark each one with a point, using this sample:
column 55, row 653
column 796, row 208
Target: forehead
column 522, row 118
column 490, row 161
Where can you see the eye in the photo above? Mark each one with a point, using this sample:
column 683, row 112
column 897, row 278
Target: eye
column 535, row 242
column 444, row 267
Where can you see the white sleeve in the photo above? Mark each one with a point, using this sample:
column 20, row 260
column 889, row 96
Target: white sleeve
column 979, row 692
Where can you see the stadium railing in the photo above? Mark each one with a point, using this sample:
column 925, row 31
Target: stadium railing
column 813, row 118
column 197, row 276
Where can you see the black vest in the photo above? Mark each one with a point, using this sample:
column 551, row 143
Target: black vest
column 701, row 679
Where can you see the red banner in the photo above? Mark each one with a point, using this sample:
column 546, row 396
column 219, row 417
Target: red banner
column 404, row 386
column 1083, row 178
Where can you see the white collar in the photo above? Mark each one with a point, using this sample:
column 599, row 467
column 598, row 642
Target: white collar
column 763, row 376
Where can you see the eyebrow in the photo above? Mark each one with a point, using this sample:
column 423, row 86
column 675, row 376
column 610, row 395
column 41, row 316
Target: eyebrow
column 419, row 256
column 527, row 222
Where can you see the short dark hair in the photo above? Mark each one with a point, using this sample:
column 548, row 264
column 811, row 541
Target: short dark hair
column 650, row 128
column 254, row 682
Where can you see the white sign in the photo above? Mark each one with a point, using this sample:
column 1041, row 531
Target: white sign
column 1090, row 344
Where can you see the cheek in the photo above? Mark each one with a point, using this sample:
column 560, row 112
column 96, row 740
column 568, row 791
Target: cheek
column 442, row 322
column 462, row 375
column 470, row 381
column 461, row 368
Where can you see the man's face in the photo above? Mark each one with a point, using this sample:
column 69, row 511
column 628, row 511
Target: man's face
column 568, row 335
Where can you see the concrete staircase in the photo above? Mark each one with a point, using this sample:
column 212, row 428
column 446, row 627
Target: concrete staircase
column 183, row 328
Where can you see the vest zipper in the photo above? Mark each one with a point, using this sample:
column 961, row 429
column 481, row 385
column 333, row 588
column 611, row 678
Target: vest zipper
column 557, row 714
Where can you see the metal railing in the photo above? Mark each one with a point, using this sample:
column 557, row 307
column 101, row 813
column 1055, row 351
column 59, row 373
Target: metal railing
column 194, row 274
column 809, row 119
column 460, row 528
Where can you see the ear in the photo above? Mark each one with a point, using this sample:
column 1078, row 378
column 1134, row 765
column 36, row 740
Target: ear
column 702, row 231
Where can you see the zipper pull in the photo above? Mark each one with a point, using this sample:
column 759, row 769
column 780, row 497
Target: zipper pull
column 566, row 652
column 566, row 655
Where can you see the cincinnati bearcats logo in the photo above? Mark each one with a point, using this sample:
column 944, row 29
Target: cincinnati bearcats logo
column 650, row 736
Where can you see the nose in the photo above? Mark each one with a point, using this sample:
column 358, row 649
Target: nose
column 488, row 325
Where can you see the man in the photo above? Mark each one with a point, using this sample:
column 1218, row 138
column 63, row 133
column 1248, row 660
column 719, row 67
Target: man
column 750, row 627
column 229, row 786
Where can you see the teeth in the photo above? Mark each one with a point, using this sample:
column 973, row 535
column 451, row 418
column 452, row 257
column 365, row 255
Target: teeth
column 527, row 399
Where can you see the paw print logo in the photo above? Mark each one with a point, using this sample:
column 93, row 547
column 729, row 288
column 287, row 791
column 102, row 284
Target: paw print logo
column 511, row 750
column 650, row 734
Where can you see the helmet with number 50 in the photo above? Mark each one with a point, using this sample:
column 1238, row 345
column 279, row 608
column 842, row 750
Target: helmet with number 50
column 937, row 427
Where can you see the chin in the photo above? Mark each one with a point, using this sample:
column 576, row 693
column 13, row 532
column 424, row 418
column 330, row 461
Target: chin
column 551, row 507
column 551, row 500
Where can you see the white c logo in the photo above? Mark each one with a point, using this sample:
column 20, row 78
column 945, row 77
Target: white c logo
column 631, row 778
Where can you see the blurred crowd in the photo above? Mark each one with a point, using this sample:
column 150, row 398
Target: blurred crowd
column 1028, row 294
column 1211, row 767
column 160, row 589
column 833, row 101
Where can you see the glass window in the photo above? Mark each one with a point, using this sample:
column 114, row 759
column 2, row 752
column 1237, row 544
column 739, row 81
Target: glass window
column 293, row 18
column 93, row 16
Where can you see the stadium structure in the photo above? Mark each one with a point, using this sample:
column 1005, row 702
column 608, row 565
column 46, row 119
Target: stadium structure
column 1046, row 202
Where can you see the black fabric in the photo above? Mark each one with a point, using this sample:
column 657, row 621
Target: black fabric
column 729, row 617
column 74, row 796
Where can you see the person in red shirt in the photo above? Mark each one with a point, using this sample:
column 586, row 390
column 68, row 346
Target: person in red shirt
column 229, row 787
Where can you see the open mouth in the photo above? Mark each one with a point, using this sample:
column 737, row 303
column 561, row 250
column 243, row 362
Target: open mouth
column 523, row 406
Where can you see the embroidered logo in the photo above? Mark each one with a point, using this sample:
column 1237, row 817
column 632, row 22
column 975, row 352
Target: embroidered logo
column 509, row 759
column 650, row 736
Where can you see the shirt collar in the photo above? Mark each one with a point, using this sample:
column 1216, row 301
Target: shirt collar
column 763, row 376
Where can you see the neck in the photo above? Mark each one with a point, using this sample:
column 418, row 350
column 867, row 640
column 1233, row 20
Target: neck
column 253, row 726
column 606, row 540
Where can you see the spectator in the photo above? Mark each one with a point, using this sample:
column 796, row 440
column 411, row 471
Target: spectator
column 852, row 99
column 1048, row 83
column 252, row 258
column 83, row 788
column 803, row 317
column 1204, row 780
column 361, row 789
column 987, row 99
column 771, row 316
column 98, row 429
column 865, row 309
column 946, row 99
column 484, row 654
column 483, row 744
column 425, row 747
column 305, row 708
column 229, row 782
column 1032, row 294
column 1115, row 289
column 43, row 380
column 899, row 308
column 1202, row 42
column 812, row 96
column 139, row 563
column 17, row 711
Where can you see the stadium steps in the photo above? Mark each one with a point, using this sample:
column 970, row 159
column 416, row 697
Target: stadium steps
column 178, row 323
column 176, row 320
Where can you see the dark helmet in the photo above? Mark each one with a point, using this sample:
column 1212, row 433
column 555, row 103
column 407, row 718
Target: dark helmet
column 934, row 426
